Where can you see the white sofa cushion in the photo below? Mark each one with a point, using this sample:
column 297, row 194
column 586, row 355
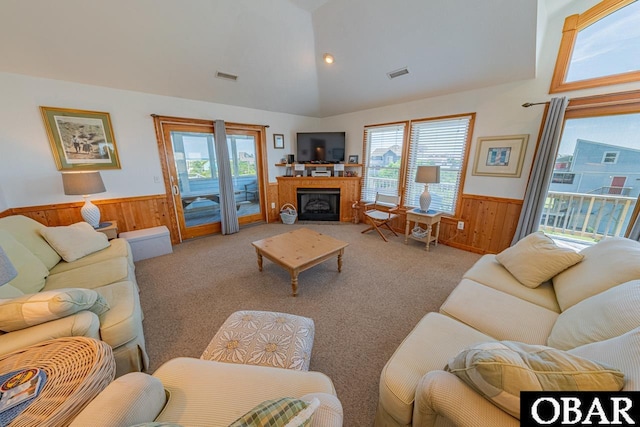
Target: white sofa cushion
column 621, row 352
column 608, row 263
column 536, row 258
column 501, row 370
column 31, row 271
column 488, row 271
column 75, row 241
column 27, row 231
column 428, row 347
column 606, row 315
column 500, row 315
column 34, row 309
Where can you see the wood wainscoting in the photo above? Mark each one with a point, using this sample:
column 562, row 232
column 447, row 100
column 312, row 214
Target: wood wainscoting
column 489, row 224
column 132, row 213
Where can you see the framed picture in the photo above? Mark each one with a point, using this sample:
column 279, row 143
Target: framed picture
column 353, row 158
column 278, row 140
column 500, row 155
column 80, row 140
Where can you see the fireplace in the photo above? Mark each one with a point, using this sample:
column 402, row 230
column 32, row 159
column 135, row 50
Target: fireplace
column 318, row 204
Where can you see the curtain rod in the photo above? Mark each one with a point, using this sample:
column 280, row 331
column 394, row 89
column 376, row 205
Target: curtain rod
column 529, row 104
column 182, row 120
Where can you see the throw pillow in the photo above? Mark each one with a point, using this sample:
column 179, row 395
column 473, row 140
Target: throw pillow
column 31, row 271
column 74, row 241
column 598, row 318
column 608, row 263
column 536, row 258
column 34, row 309
column 284, row 412
column 499, row 371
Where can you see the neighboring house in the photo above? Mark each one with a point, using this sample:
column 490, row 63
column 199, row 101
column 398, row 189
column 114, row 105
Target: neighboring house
column 598, row 168
column 606, row 181
column 385, row 156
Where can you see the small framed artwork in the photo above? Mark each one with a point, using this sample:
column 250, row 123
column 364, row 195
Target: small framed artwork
column 500, row 155
column 80, row 139
column 278, row 140
column 353, row 158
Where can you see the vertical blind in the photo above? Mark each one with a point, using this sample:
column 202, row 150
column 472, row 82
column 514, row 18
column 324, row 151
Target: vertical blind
column 438, row 142
column 383, row 156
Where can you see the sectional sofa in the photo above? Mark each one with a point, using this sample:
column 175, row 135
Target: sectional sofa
column 549, row 301
column 46, row 300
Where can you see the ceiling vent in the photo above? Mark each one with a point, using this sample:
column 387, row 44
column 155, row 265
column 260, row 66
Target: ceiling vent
column 226, row 76
column 398, row 73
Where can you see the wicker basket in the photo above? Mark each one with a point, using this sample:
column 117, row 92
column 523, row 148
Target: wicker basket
column 288, row 213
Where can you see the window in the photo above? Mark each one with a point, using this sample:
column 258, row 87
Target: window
column 383, row 158
column 599, row 47
column 390, row 164
column 610, row 157
column 439, row 142
column 599, row 144
column 563, row 178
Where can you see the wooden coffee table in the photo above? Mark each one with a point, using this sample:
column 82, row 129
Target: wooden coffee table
column 299, row 250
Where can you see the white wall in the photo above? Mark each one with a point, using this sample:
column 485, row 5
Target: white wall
column 28, row 174
column 498, row 111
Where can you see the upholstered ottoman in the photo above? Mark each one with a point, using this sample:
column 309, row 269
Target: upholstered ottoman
column 263, row 338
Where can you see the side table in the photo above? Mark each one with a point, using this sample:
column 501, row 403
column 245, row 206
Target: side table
column 430, row 219
column 77, row 368
column 109, row 228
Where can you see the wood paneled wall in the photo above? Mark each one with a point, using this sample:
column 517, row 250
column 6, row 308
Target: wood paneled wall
column 132, row 213
column 489, row 222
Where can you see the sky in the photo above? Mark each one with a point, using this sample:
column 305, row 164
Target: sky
column 609, row 46
column 622, row 130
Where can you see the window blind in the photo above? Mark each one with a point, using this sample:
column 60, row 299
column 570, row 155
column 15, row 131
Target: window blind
column 438, row 142
column 383, row 156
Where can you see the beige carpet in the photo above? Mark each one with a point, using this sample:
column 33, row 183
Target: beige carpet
column 361, row 315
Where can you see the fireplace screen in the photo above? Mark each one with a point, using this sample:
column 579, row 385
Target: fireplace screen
column 319, row 204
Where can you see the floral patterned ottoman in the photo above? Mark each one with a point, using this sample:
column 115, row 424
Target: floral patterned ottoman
column 263, row 338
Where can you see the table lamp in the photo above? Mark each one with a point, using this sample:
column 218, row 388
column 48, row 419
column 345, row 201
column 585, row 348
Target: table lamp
column 7, row 270
column 84, row 184
column 427, row 175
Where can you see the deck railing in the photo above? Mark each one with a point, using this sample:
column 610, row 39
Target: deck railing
column 586, row 215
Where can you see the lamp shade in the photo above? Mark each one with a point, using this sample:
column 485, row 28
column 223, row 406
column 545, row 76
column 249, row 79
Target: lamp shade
column 82, row 183
column 428, row 174
column 7, row 270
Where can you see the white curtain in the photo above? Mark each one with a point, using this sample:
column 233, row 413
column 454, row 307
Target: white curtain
column 542, row 169
column 228, row 213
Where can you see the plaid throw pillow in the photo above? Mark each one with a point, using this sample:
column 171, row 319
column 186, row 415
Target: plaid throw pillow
column 284, row 412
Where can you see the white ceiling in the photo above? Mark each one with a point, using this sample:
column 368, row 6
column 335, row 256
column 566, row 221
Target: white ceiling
column 174, row 48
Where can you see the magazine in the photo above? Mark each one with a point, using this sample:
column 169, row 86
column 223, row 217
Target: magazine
column 20, row 387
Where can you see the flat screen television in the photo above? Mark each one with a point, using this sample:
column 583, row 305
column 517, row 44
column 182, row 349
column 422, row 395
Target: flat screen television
column 320, row 147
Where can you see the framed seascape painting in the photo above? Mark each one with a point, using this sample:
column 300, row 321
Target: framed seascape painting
column 500, row 155
column 80, row 140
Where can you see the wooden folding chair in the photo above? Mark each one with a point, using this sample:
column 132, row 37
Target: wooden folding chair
column 382, row 212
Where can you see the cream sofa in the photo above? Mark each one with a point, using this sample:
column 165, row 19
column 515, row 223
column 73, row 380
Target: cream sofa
column 591, row 310
column 109, row 271
column 194, row 392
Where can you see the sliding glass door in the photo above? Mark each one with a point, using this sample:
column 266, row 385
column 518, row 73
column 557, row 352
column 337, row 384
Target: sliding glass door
column 193, row 178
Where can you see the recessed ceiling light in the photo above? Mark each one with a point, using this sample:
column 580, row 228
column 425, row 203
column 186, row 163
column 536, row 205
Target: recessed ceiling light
column 328, row 58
